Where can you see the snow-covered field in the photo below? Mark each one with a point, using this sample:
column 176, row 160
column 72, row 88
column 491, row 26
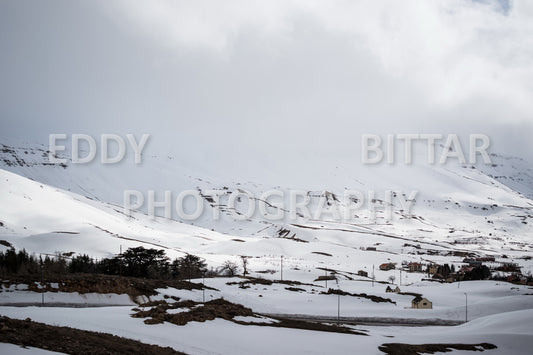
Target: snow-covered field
column 499, row 313
column 511, row 332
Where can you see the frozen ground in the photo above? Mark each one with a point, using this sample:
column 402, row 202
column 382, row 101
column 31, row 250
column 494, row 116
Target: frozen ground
column 511, row 332
column 499, row 313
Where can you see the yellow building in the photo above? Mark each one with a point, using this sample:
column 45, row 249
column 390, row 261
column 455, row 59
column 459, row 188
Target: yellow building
column 421, row 303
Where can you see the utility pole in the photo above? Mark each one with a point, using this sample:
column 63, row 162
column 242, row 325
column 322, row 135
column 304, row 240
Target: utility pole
column 338, row 302
column 42, row 293
column 120, row 262
column 466, row 307
column 326, row 277
column 339, row 309
column 373, row 275
column 282, row 268
column 203, row 287
column 400, row 276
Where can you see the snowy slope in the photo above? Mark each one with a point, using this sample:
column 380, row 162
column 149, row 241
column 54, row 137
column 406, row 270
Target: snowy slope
column 459, row 209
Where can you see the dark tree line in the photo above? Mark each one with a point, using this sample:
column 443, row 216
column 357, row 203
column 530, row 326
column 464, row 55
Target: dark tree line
column 134, row 262
column 481, row 272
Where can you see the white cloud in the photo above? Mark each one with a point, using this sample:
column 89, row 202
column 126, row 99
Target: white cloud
column 455, row 50
column 289, row 79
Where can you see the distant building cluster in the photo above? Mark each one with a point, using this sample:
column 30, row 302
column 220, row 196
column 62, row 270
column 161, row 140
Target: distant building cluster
column 471, row 268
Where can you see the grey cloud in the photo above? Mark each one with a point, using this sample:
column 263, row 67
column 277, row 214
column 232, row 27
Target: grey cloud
column 284, row 90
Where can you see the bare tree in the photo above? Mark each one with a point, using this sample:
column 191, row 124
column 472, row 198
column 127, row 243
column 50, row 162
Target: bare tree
column 230, row 268
column 392, row 278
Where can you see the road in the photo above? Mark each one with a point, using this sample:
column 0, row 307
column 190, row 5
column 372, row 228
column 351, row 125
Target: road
column 375, row 321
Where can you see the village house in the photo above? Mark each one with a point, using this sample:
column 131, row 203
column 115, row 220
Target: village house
column 420, row 302
column 387, row 266
column 395, row 290
column 362, row 273
column 415, row 267
column 509, row 267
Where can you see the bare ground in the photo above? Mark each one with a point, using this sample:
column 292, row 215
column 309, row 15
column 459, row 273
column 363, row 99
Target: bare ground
column 72, row 341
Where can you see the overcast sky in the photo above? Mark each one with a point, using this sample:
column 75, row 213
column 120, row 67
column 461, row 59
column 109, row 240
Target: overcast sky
column 272, row 79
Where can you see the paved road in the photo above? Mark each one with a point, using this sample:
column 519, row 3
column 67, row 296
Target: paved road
column 376, row 321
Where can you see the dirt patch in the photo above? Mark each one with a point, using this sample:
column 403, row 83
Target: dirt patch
column 258, row 281
column 321, row 253
column 326, row 277
column 285, row 233
column 300, row 324
column 70, row 340
column 295, row 289
column 408, row 349
column 373, row 298
column 198, row 312
column 266, row 271
column 221, row 308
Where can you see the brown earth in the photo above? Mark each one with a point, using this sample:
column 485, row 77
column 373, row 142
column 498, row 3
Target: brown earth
column 198, row 312
column 373, row 298
column 408, row 349
column 259, row 281
column 72, row 341
column 221, row 308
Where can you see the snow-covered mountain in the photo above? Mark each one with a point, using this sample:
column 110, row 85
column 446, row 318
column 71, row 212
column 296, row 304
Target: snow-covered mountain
column 459, row 209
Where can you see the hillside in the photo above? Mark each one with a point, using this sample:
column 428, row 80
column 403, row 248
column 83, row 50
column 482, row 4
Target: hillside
column 458, row 210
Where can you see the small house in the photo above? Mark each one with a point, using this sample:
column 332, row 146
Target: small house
column 420, row 302
column 415, row 267
column 387, row 266
column 362, row 273
column 395, row 290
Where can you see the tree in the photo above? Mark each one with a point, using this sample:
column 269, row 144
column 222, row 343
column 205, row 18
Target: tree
column 229, row 268
column 189, row 266
column 478, row 273
column 392, row 278
column 82, row 264
column 141, row 262
column 444, row 270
